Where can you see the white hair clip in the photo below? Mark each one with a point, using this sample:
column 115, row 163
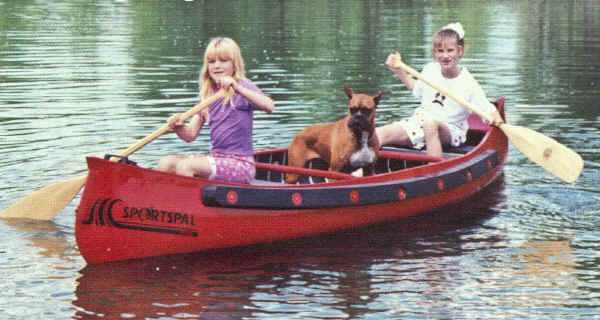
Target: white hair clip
column 456, row 27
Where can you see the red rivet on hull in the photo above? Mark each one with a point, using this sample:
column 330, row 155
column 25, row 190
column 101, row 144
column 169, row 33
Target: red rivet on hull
column 296, row 198
column 401, row 194
column 354, row 197
column 232, row 197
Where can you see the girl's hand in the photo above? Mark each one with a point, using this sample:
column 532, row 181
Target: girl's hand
column 226, row 82
column 392, row 60
column 496, row 119
column 175, row 121
column 203, row 116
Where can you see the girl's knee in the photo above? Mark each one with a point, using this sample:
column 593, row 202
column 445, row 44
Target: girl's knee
column 382, row 134
column 163, row 164
column 431, row 128
column 391, row 134
column 429, row 125
column 194, row 167
column 167, row 164
column 184, row 168
column 436, row 130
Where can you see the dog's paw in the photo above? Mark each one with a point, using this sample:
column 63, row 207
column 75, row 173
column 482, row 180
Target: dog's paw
column 357, row 173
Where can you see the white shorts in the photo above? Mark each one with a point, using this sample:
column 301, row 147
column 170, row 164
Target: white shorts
column 414, row 129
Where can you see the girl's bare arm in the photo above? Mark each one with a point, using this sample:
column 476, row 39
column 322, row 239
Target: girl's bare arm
column 391, row 61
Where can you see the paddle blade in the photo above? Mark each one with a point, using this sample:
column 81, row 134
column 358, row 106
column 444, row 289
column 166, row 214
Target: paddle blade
column 47, row 202
column 557, row 159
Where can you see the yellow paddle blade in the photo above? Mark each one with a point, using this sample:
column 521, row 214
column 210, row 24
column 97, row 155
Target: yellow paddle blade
column 45, row 203
column 557, row 159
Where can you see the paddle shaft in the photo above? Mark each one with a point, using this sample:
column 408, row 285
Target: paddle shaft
column 165, row 128
column 459, row 100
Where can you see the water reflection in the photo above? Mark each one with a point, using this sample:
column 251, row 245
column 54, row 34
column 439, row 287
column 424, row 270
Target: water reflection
column 49, row 238
column 548, row 276
column 166, row 287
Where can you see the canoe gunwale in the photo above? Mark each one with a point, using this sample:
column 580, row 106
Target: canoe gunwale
column 352, row 193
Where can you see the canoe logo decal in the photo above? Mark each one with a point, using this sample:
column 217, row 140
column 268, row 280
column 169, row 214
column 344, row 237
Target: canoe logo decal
column 114, row 213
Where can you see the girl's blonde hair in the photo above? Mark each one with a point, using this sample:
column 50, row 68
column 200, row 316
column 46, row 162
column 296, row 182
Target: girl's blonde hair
column 225, row 49
column 444, row 34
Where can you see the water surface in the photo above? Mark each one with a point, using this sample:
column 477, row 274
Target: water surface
column 88, row 78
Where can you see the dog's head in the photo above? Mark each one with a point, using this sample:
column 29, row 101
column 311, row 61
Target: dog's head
column 361, row 109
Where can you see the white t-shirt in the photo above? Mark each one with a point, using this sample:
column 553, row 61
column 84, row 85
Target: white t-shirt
column 436, row 106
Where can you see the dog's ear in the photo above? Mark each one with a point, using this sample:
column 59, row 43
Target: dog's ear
column 349, row 91
column 378, row 96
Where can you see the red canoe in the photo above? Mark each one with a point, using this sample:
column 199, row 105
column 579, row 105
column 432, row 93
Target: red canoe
column 129, row 212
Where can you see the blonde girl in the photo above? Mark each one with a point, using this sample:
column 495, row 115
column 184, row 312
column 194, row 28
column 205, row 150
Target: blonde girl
column 439, row 121
column 230, row 119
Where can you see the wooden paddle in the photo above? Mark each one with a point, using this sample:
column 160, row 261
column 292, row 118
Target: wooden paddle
column 47, row 202
column 556, row 158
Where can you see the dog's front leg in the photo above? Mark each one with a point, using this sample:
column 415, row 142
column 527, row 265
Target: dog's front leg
column 369, row 170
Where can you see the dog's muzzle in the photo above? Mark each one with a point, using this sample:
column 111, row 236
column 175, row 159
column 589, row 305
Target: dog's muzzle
column 359, row 121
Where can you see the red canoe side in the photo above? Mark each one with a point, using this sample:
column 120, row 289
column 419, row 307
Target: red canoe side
column 131, row 212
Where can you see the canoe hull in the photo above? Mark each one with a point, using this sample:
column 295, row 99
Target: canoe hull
column 131, row 212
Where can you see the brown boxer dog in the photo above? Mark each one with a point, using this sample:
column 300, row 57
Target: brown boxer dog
column 347, row 144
